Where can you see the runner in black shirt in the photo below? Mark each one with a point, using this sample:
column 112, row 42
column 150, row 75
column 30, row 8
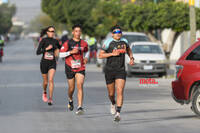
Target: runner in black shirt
column 49, row 47
column 114, row 50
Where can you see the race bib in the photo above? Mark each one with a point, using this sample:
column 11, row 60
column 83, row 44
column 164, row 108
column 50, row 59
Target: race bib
column 75, row 64
column 49, row 55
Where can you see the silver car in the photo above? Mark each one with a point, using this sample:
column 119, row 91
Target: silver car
column 149, row 59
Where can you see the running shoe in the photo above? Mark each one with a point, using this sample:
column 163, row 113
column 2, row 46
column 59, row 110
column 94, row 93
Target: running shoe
column 80, row 111
column 112, row 109
column 50, row 102
column 70, row 105
column 44, row 97
column 117, row 117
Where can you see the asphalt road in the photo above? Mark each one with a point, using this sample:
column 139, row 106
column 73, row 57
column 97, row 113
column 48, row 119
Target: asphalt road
column 146, row 109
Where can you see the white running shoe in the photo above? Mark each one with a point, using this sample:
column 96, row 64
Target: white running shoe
column 80, row 111
column 117, row 117
column 112, row 109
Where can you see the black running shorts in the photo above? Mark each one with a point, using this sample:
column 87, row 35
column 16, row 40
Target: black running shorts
column 71, row 74
column 45, row 66
column 111, row 77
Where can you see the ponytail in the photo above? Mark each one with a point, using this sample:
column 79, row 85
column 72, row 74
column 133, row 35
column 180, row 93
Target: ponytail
column 43, row 32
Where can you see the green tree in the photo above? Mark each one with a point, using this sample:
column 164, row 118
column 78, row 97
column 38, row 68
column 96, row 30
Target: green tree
column 54, row 8
column 71, row 12
column 150, row 16
column 105, row 15
column 43, row 20
column 98, row 16
column 6, row 13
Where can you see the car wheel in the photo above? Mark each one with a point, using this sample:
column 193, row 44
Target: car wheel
column 161, row 74
column 196, row 102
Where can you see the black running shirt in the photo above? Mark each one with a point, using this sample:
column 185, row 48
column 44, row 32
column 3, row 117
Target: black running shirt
column 44, row 43
column 115, row 63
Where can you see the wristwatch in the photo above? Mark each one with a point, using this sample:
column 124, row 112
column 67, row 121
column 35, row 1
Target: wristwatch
column 131, row 58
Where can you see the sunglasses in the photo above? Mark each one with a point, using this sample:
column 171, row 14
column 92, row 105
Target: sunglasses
column 117, row 32
column 51, row 31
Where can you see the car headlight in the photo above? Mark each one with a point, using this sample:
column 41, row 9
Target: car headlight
column 137, row 61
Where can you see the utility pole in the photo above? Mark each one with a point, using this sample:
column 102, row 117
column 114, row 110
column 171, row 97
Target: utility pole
column 156, row 30
column 192, row 22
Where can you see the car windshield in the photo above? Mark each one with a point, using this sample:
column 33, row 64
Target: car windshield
column 136, row 38
column 146, row 49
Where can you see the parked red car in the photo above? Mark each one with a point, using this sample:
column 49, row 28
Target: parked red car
column 186, row 87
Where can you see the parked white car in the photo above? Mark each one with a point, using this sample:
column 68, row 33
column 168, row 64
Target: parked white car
column 135, row 37
column 149, row 58
column 131, row 37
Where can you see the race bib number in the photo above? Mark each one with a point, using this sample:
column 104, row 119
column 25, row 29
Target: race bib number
column 75, row 64
column 49, row 55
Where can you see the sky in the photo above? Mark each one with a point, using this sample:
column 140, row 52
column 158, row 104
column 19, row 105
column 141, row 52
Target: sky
column 27, row 9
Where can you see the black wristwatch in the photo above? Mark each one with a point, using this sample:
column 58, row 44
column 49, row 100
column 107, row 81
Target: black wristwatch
column 131, row 58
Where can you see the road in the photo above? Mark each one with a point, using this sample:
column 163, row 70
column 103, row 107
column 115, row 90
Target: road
column 146, row 109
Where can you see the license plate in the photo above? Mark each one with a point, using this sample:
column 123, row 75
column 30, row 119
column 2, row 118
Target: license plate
column 148, row 67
